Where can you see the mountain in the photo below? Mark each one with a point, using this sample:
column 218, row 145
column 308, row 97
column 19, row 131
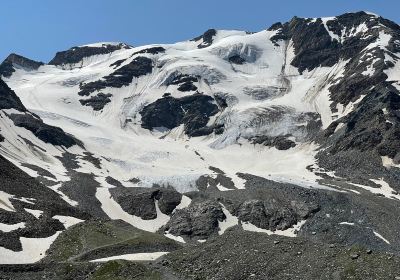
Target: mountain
column 290, row 135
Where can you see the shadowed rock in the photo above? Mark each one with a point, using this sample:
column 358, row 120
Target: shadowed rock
column 76, row 54
column 194, row 111
column 7, row 67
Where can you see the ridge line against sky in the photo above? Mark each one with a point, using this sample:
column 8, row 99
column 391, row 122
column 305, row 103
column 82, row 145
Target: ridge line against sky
column 38, row 29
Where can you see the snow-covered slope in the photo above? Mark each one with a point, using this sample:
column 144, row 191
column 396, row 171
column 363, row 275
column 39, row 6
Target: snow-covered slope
column 311, row 102
column 115, row 131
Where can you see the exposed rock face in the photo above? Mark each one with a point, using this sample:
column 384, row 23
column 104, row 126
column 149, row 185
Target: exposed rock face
column 19, row 185
column 152, row 50
column 182, row 78
column 205, row 183
column 97, row 102
column 184, row 81
column 187, row 86
column 141, row 201
column 8, row 98
column 193, row 111
column 198, row 221
column 47, row 133
column 7, row 66
column 313, row 44
column 371, row 128
column 168, row 200
column 207, row 38
column 280, row 142
column 236, row 59
column 123, row 76
column 270, row 214
column 76, row 54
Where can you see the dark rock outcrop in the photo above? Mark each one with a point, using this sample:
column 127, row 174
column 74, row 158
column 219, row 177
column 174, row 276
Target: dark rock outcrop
column 152, row 50
column 182, row 78
column 371, row 129
column 76, row 54
column 280, row 142
column 315, row 47
column 187, row 86
column 236, row 59
column 46, row 133
column 268, row 214
column 207, row 37
column 194, row 111
column 8, row 98
column 141, row 201
column 123, row 76
column 199, row 221
column 97, row 102
column 7, row 66
column 184, row 81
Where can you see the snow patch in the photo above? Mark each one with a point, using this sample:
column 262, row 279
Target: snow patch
column 222, row 188
column 12, row 227
column 290, row 232
column 185, row 202
column 381, row 237
column 134, row 257
column 5, row 202
column 115, row 211
column 33, row 250
column 36, row 213
column 385, row 190
column 333, row 35
column 174, row 237
column 67, row 220
column 230, row 221
column 346, row 223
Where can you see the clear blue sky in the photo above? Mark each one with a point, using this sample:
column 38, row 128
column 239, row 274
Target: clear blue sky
column 39, row 28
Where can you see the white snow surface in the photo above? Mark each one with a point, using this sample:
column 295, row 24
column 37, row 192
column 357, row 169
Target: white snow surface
column 11, row 227
column 333, row 35
column 126, row 150
column 174, row 237
column 185, row 202
column 290, row 232
column 67, row 220
column 33, row 250
column 346, row 223
column 384, row 189
column 229, row 222
column 36, row 213
column 115, row 211
column 134, row 257
column 388, row 162
column 381, row 237
column 5, row 202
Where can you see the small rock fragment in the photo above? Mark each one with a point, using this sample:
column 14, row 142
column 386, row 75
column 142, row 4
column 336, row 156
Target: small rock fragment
column 354, row 256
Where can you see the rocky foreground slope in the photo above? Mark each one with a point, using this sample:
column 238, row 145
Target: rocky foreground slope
column 235, row 155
